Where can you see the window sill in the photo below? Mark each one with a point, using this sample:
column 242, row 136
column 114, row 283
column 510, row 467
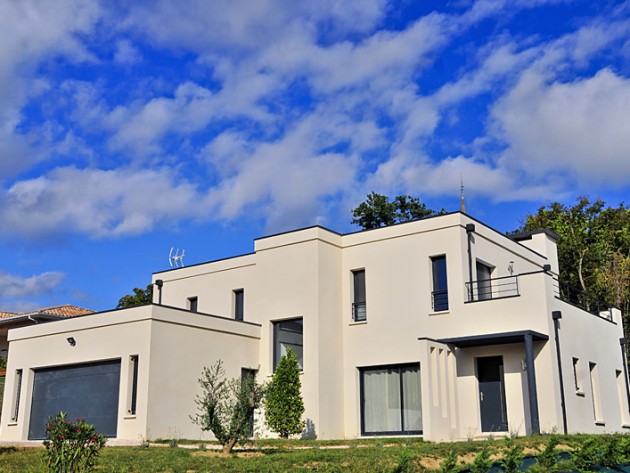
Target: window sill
column 442, row 312
column 12, row 424
column 129, row 417
column 580, row 393
column 360, row 322
column 625, row 426
column 600, row 423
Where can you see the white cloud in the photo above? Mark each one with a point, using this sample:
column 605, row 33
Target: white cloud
column 126, row 53
column 13, row 286
column 579, row 128
column 97, row 202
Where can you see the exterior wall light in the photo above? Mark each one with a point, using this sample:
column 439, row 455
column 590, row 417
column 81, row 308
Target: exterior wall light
column 71, row 341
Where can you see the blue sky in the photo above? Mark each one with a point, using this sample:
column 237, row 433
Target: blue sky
column 127, row 128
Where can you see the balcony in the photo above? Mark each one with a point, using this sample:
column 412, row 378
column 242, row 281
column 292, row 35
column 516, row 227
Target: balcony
column 496, row 288
column 359, row 311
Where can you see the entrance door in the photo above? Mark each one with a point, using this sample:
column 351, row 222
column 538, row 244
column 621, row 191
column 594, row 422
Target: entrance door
column 491, row 394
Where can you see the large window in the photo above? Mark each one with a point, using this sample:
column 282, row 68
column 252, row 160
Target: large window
column 359, row 307
column 287, row 334
column 390, row 400
column 484, row 284
column 440, row 288
column 239, row 304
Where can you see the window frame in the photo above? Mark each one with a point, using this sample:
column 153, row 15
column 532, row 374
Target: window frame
column 276, row 342
column 239, row 304
column 437, row 303
column 193, row 304
column 399, row 368
column 358, row 280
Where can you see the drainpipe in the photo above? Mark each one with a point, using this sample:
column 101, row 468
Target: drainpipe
column 624, row 360
column 159, row 283
column 556, row 315
column 470, row 228
column 30, row 317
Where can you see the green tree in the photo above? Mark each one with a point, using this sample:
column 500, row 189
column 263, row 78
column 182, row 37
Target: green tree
column 226, row 406
column 378, row 211
column 139, row 297
column 593, row 251
column 284, row 406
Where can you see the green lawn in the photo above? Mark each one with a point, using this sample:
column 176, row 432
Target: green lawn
column 377, row 455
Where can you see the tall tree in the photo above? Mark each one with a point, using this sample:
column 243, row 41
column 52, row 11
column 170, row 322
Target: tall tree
column 139, row 297
column 594, row 249
column 378, row 211
column 284, row 406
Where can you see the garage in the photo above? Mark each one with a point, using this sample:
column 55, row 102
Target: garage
column 89, row 391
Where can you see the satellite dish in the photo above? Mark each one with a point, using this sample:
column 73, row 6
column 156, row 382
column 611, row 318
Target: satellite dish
column 175, row 259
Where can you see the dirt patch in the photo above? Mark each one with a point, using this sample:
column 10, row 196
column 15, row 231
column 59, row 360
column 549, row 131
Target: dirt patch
column 219, row 454
column 429, row 463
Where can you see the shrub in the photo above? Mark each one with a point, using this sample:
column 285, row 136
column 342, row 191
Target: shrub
column 284, row 406
column 226, row 406
column 71, row 447
column 482, row 462
column 512, row 456
column 449, row 464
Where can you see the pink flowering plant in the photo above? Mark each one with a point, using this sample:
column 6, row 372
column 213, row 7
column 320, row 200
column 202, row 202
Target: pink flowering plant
column 71, row 446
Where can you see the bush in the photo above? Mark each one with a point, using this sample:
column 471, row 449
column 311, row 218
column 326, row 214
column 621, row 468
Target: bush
column 226, row 406
column 512, row 456
column 71, row 447
column 284, row 406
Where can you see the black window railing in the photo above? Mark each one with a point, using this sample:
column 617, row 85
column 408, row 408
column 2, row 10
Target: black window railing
column 359, row 311
column 439, row 300
column 495, row 288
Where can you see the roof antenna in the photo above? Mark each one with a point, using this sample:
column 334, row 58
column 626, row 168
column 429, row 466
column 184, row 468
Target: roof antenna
column 462, row 202
column 175, row 259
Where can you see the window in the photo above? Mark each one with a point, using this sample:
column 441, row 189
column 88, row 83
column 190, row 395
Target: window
column 622, row 396
column 287, row 334
column 359, row 307
column 597, row 399
column 133, row 378
column 239, row 300
column 16, row 396
column 390, row 400
column 484, row 285
column 577, row 375
column 440, row 288
column 251, row 374
column 192, row 304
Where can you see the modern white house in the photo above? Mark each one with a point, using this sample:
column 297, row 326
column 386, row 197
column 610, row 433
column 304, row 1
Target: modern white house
column 441, row 327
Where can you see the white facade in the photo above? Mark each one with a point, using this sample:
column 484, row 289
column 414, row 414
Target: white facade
column 432, row 357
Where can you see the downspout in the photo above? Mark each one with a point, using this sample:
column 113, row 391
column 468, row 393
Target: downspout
column 159, row 283
column 624, row 361
column 30, row 317
column 556, row 315
column 470, row 228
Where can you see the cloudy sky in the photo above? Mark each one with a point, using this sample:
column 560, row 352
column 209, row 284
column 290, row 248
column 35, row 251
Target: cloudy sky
column 127, row 128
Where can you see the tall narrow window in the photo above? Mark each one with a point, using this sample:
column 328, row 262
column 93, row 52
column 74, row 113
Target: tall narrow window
column 622, row 396
column 288, row 335
column 192, row 304
column 249, row 374
column 359, row 306
column 391, row 400
column 597, row 399
column 440, row 288
column 16, row 397
column 133, row 378
column 577, row 375
column 484, row 284
column 239, row 301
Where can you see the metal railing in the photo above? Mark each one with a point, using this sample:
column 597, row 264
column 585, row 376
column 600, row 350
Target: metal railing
column 581, row 299
column 495, row 288
column 359, row 311
column 439, row 300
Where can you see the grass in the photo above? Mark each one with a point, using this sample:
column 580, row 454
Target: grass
column 364, row 455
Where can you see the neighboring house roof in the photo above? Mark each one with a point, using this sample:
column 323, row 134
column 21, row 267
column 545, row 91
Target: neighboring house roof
column 50, row 313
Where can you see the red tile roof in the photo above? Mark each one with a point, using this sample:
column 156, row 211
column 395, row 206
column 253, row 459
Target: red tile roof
column 60, row 311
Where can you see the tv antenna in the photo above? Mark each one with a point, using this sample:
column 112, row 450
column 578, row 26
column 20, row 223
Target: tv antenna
column 175, row 259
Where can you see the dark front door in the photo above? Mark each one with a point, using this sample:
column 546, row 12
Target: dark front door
column 491, row 394
column 89, row 391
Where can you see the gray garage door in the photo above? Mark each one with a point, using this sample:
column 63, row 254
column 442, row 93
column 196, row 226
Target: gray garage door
column 89, row 391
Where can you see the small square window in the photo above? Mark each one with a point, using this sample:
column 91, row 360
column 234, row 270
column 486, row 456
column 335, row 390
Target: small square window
column 192, row 304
